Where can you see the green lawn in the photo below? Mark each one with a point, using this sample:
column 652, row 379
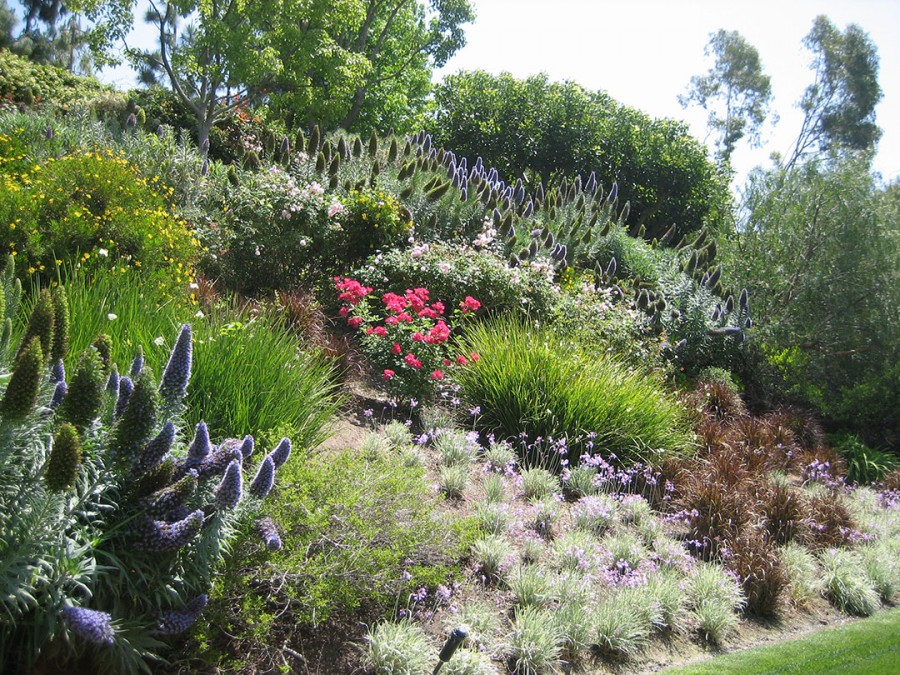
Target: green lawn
column 868, row 646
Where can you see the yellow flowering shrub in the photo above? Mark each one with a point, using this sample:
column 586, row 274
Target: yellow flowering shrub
column 93, row 210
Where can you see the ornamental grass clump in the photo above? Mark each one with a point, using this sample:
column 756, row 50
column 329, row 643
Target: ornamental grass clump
column 714, row 597
column 531, row 383
column 399, row 648
column 846, row 584
column 110, row 529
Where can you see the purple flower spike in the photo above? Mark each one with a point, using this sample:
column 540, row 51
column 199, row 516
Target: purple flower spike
column 57, row 372
column 126, row 388
column 174, row 381
column 228, row 494
column 177, row 621
column 200, row 447
column 58, row 394
column 265, row 478
column 247, row 447
column 269, row 533
column 217, row 462
column 89, row 624
column 281, row 453
column 156, row 449
column 112, row 384
column 158, row 535
column 137, row 364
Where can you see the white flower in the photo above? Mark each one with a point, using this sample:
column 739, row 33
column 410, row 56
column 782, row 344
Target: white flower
column 419, row 251
column 103, row 252
column 199, row 314
column 111, row 316
column 194, row 286
column 159, row 341
column 444, row 268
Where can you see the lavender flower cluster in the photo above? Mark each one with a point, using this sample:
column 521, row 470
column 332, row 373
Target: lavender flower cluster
column 89, row 624
column 174, row 622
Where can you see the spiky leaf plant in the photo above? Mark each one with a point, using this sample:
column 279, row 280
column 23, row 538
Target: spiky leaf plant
column 107, row 542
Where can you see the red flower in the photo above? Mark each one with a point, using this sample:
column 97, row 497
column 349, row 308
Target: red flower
column 474, row 356
column 412, row 361
column 388, row 373
column 392, row 320
column 461, row 360
column 394, row 302
column 438, row 307
column 354, row 321
column 470, row 304
column 417, row 298
column 418, row 337
column 344, row 311
column 404, row 317
column 396, row 349
column 380, row 331
column 437, row 375
column 447, row 362
column 352, row 290
column 427, row 313
column 440, row 333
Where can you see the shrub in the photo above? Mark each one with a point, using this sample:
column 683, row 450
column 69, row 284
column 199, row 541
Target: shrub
column 538, row 483
column 95, row 210
column 398, row 434
column 829, row 521
column 714, row 596
column 530, row 586
column 545, row 515
column 718, row 398
column 619, row 628
column 802, row 570
column 756, row 562
column 492, row 518
column 492, row 554
column 494, row 487
column 879, row 560
column 782, row 510
column 534, row 643
column 864, row 464
column 454, row 447
column 107, row 589
column 371, row 220
column 399, row 648
column 453, row 271
column 846, row 584
column 470, row 662
column 529, row 382
column 408, row 340
column 22, row 80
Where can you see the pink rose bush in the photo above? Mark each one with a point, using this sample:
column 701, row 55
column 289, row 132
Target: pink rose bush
column 406, row 337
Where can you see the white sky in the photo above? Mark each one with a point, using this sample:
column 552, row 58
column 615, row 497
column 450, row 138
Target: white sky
column 644, row 52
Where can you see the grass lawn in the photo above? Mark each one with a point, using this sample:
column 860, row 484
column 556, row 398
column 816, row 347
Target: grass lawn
column 868, row 646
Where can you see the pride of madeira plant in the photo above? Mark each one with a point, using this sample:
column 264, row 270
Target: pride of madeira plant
column 110, row 528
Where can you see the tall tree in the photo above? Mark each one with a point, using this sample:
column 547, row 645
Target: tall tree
column 208, row 52
column 362, row 64
column 735, row 91
column 839, row 106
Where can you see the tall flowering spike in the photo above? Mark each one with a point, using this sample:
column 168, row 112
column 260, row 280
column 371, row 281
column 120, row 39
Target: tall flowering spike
column 132, row 430
column 22, row 391
column 112, row 383
column 137, row 364
column 217, row 461
column 158, row 535
column 89, row 624
column 60, row 346
column 269, row 533
column 125, row 390
column 65, row 459
column 59, row 393
column 85, row 395
column 229, row 491
column 154, row 479
column 57, row 371
column 264, row 480
column 247, row 446
column 173, row 384
column 155, row 450
column 281, row 453
column 168, row 498
column 200, row 446
column 40, row 324
column 103, row 344
column 174, row 622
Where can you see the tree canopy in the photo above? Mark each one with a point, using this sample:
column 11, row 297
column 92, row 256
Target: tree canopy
column 544, row 130
column 735, row 91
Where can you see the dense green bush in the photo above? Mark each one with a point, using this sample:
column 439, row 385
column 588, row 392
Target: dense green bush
column 864, row 464
column 530, row 382
column 94, row 210
column 352, row 525
column 22, row 81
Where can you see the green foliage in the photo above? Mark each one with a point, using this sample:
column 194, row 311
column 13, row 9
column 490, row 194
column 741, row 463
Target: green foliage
column 250, row 376
column 714, row 596
column 846, row 583
column 20, row 396
column 351, row 526
column 864, row 464
column 65, row 459
column 529, row 381
column 550, row 130
column 399, row 648
column 819, row 254
column 22, row 81
column 735, row 91
column 534, row 643
column 95, row 210
column 85, row 395
column 371, row 220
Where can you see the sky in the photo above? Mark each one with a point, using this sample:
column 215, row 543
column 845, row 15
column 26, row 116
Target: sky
column 644, row 53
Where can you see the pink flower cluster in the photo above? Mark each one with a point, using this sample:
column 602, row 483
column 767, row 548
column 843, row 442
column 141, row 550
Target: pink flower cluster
column 414, row 328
